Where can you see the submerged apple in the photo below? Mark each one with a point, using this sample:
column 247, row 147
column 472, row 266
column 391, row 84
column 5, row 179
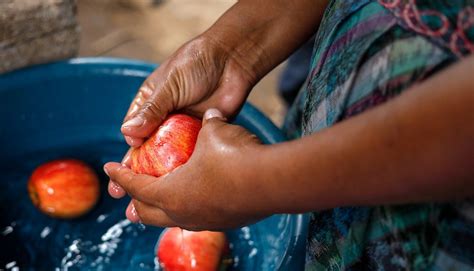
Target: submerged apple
column 64, row 188
column 170, row 146
column 187, row 250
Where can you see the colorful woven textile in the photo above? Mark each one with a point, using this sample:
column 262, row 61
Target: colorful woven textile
column 367, row 52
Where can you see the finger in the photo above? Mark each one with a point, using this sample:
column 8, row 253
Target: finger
column 126, row 160
column 134, row 141
column 131, row 213
column 148, row 117
column 115, row 191
column 144, row 93
column 149, row 215
column 215, row 127
column 136, row 185
column 212, row 113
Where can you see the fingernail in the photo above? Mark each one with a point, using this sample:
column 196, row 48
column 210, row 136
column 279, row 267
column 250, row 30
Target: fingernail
column 129, row 140
column 213, row 113
column 115, row 190
column 115, row 187
column 126, row 160
column 134, row 211
column 105, row 170
column 133, row 142
column 132, row 214
column 134, row 122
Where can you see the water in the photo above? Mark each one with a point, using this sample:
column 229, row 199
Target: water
column 101, row 240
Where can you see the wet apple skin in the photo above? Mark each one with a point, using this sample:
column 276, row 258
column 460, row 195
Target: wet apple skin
column 170, row 146
column 186, row 250
column 65, row 188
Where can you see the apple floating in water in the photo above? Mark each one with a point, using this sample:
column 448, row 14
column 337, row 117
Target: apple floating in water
column 191, row 251
column 64, row 188
column 170, row 146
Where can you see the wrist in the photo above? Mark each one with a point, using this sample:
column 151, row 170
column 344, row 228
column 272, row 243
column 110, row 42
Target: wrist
column 260, row 35
column 247, row 188
column 290, row 182
column 248, row 65
column 257, row 179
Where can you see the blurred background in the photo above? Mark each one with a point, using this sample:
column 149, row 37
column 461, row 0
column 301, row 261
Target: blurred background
column 151, row 30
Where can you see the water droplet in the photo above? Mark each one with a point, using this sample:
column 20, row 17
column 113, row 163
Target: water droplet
column 246, row 233
column 101, row 218
column 253, row 252
column 7, row 230
column 10, row 265
column 45, row 232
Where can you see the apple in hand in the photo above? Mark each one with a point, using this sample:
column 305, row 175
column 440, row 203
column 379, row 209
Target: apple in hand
column 187, row 250
column 64, row 188
column 170, row 146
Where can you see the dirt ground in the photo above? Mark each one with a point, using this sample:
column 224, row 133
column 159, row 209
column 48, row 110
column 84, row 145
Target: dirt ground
column 142, row 30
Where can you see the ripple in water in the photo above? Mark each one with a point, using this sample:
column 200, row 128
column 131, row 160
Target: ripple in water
column 84, row 253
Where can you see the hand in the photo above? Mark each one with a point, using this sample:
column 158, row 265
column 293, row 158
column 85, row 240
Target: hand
column 213, row 190
column 202, row 74
column 219, row 68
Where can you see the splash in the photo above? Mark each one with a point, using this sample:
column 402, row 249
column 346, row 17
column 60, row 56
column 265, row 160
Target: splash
column 86, row 254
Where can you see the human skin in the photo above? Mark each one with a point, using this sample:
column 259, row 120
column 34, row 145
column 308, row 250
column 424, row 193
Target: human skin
column 417, row 147
column 218, row 68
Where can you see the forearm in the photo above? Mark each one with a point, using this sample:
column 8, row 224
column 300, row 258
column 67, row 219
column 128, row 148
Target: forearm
column 418, row 147
column 261, row 34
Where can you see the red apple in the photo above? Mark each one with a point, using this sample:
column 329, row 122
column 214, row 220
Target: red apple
column 64, row 188
column 170, row 146
column 182, row 250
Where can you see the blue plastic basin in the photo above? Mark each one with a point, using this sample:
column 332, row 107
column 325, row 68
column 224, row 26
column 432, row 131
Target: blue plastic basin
column 74, row 109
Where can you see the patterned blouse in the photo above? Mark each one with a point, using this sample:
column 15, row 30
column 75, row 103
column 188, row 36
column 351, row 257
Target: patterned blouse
column 367, row 52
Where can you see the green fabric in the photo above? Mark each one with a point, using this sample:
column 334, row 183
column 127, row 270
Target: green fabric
column 367, row 52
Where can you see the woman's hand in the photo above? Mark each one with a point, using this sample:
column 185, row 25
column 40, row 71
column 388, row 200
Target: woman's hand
column 213, row 190
column 200, row 75
column 219, row 68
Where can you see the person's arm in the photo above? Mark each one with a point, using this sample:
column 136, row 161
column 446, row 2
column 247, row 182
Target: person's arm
column 418, row 147
column 263, row 33
column 219, row 68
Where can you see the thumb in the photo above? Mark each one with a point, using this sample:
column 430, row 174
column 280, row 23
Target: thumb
column 214, row 115
column 147, row 118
